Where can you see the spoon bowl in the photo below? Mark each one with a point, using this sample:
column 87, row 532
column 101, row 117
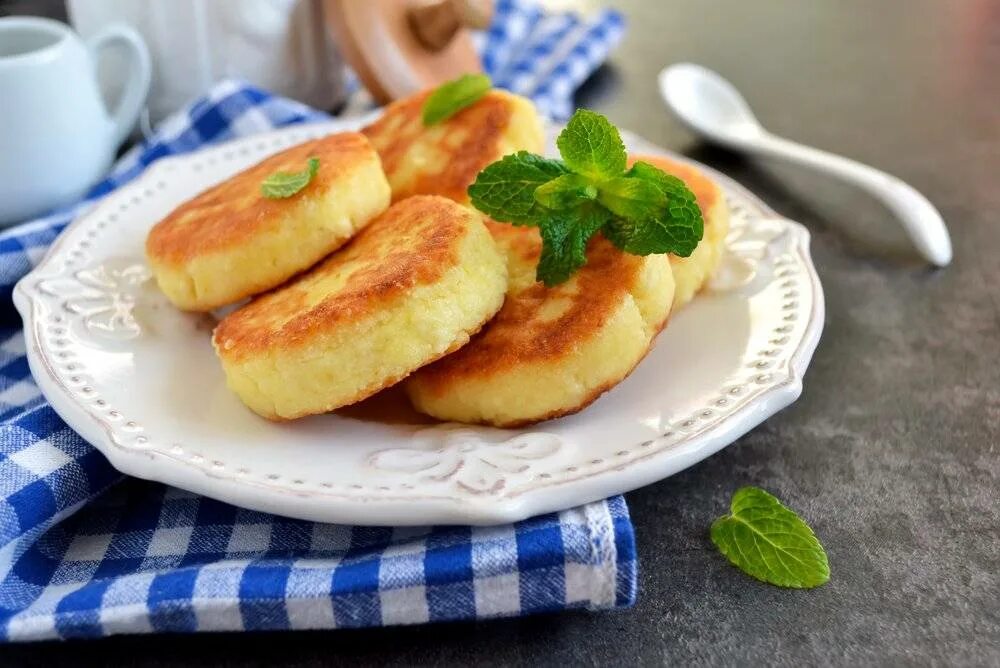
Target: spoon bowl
column 708, row 104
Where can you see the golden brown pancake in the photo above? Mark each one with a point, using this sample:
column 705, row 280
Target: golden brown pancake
column 411, row 287
column 231, row 242
column 445, row 158
column 692, row 272
column 550, row 351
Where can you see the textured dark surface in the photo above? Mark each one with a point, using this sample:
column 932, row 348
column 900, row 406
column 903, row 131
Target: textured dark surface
column 893, row 451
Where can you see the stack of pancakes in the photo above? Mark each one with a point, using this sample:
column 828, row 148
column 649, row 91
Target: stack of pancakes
column 379, row 271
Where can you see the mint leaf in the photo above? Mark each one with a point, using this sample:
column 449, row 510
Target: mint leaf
column 632, row 198
column 591, row 146
column 766, row 540
column 285, row 184
column 674, row 188
column 450, row 98
column 505, row 190
column 676, row 228
column 564, row 242
column 678, row 233
column 565, row 191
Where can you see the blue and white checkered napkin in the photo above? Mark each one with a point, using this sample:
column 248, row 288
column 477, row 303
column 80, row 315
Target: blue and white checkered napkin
column 86, row 552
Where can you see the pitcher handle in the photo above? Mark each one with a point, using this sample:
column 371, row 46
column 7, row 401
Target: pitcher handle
column 133, row 96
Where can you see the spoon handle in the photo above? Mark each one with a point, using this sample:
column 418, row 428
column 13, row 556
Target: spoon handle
column 920, row 219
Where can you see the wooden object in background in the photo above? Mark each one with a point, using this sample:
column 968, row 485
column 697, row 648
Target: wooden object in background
column 398, row 47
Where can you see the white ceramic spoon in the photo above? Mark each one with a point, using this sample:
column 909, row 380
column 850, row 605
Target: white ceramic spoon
column 712, row 107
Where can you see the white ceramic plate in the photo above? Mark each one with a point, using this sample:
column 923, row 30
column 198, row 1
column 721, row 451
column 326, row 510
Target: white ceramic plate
column 138, row 379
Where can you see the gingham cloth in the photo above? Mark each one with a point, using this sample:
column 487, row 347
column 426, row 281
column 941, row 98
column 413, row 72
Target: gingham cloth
column 86, row 552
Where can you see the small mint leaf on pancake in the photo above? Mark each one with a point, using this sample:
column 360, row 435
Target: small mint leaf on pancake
column 766, row 540
column 450, row 98
column 285, row 184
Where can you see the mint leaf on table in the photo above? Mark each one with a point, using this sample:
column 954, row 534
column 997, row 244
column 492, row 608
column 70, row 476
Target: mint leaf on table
column 564, row 244
column 450, row 98
column 590, row 145
column 766, row 540
column 505, row 190
column 642, row 211
column 281, row 185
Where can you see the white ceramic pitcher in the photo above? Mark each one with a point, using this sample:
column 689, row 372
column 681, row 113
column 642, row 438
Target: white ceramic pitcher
column 56, row 136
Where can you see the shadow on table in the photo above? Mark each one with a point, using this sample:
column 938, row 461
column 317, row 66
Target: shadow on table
column 871, row 234
column 445, row 644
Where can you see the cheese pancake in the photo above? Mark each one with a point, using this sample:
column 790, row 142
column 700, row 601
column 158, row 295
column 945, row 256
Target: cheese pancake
column 445, row 158
column 551, row 351
column 231, row 242
column 692, row 272
column 414, row 285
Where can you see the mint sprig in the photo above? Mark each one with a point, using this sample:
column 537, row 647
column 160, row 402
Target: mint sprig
column 766, row 540
column 450, row 98
column 280, row 185
column 642, row 210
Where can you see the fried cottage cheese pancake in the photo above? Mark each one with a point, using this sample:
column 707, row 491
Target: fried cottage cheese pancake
column 691, row 273
column 411, row 287
column 231, row 242
column 550, row 351
column 444, row 159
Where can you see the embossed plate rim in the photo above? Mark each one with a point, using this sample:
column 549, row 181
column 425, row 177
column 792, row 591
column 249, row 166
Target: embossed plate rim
column 658, row 459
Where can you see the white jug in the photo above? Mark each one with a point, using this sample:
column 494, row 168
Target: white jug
column 56, row 136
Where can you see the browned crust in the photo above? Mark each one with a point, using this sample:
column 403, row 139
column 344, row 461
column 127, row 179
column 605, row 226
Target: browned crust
column 412, row 243
column 229, row 213
column 477, row 127
column 594, row 395
column 516, row 336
